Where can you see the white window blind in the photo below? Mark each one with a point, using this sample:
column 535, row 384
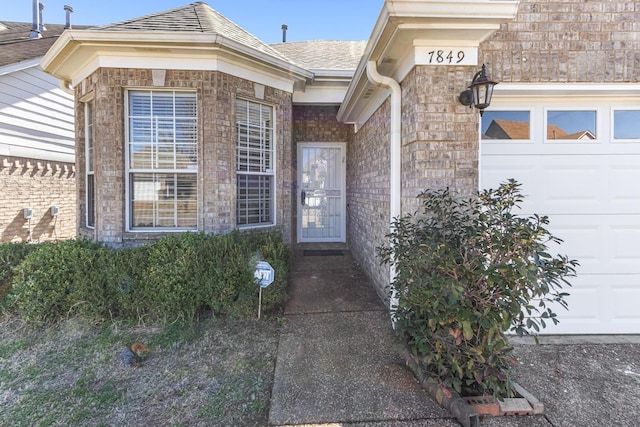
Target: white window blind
column 255, row 202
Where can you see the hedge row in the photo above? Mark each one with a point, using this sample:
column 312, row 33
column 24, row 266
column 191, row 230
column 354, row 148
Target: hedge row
column 178, row 276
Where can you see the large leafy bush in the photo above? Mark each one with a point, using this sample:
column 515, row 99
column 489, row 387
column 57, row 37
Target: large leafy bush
column 469, row 270
column 178, row 276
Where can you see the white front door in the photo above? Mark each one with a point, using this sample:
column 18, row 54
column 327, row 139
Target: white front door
column 321, row 192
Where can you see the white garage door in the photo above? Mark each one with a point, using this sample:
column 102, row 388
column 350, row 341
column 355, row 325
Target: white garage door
column 578, row 161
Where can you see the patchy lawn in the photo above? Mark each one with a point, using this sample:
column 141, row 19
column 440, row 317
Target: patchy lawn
column 218, row 372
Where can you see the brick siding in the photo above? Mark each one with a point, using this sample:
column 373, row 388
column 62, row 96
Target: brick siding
column 567, row 41
column 36, row 184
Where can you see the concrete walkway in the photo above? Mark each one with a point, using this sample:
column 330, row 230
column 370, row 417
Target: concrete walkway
column 338, row 364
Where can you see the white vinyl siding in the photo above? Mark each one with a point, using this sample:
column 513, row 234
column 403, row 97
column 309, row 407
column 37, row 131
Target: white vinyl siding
column 162, row 160
column 255, row 201
column 36, row 116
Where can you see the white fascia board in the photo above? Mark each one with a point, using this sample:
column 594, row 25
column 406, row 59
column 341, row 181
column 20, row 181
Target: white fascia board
column 19, row 66
column 215, row 62
column 78, row 46
column 36, row 154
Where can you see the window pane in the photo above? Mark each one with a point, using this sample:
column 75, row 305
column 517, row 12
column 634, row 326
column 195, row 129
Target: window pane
column 158, row 139
column 506, row 125
column 626, row 124
column 164, row 200
column 254, row 200
column 571, row 125
column 91, row 201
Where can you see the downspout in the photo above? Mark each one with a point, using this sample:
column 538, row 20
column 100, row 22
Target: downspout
column 395, row 152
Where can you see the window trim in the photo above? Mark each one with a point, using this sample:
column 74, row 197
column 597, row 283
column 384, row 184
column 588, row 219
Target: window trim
column 506, row 108
column 598, row 124
column 127, row 170
column 89, row 138
column 274, row 168
column 612, row 122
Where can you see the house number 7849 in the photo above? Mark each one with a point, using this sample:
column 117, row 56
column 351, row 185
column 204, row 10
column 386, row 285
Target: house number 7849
column 445, row 56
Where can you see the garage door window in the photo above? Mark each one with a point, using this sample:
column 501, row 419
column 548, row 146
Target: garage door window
column 506, row 125
column 567, row 125
column 626, row 125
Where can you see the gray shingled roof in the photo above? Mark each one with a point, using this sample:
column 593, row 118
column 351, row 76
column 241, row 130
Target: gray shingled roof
column 195, row 17
column 16, row 46
column 323, row 54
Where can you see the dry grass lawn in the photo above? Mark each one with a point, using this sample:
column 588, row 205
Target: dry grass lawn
column 215, row 373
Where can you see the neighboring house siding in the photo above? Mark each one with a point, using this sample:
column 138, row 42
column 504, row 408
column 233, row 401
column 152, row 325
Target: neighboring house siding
column 368, row 196
column 36, row 155
column 567, row 41
column 36, row 117
column 216, row 93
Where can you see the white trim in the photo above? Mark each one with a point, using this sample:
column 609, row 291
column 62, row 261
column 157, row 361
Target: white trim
column 89, row 132
column 78, row 53
column 612, row 122
column 36, row 154
column 454, row 22
column 19, row 66
column 608, row 90
column 598, row 125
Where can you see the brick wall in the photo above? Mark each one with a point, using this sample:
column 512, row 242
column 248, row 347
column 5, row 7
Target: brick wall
column 368, row 196
column 567, row 41
column 439, row 135
column 36, row 184
column 216, row 93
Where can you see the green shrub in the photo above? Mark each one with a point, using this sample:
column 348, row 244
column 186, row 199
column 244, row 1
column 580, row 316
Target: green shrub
column 178, row 276
column 58, row 279
column 11, row 255
column 468, row 270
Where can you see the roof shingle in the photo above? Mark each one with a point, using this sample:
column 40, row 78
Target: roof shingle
column 323, row 54
column 195, row 17
column 16, row 46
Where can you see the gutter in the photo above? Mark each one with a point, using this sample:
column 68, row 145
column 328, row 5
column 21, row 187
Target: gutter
column 395, row 152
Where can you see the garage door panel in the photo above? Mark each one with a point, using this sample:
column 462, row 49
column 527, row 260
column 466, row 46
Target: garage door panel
column 603, row 244
column 590, row 189
column 600, row 304
column 569, row 185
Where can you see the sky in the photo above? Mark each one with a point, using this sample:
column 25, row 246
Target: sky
column 306, row 19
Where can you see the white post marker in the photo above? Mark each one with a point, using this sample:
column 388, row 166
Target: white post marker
column 264, row 275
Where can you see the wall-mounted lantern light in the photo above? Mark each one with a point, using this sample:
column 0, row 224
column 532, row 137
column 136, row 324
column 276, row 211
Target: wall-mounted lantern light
column 479, row 93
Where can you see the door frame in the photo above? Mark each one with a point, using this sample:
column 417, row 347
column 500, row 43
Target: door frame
column 343, row 189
